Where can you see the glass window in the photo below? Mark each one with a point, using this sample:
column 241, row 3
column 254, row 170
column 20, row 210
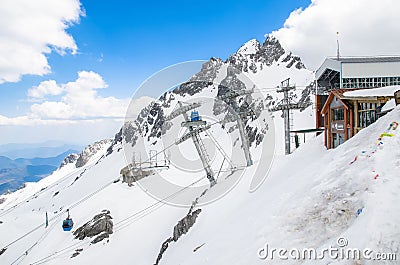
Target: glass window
column 338, row 114
column 367, row 82
column 366, row 118
column 341, row 138
column 384, row 81
column 361, row 119
column 338, row 139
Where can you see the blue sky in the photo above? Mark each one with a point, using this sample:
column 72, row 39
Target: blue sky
column 60, row 58
column 127, row 41
column 139, row 38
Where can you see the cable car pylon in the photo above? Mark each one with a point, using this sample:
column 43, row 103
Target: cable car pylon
column 231, row 95
column 195, row 126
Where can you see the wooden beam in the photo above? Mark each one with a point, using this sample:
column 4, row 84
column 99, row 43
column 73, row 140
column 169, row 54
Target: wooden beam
column 346, row 137
column 356, row 117
column 351, row 123
column 329, row 130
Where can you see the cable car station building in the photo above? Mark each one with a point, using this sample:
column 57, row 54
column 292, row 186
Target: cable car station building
column 343, row 114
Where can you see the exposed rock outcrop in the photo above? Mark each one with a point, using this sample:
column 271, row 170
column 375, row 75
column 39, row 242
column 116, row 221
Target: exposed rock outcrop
column 202, row 79
column 182, row 227
column 253, row 57
column 2, row 250
column 101, row 226
column 164, row 247
column 151, row 121
column 130, row 174
column 306, row 95
column 89, row 151
column 185, row 224
column 71, row 158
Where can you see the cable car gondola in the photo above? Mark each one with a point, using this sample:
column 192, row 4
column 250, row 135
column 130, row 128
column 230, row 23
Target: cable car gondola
column 194, row 116
column 67, row 223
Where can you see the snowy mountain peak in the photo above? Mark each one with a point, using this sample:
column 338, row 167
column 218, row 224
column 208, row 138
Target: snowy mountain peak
column 71, row 158
column 250, row 47
column 265, row 64
column 90, row 151
column 253, row 57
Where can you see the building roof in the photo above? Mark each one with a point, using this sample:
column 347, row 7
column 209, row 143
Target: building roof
column 335, row 64
column 338, row 93
column 370, row 59
column 329, row 63
column 387, row 91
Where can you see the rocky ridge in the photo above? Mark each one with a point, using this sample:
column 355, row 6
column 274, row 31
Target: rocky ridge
column 251, row 57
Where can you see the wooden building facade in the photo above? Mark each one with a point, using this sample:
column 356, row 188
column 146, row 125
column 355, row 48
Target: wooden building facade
column 365, row 72
column 344, row 116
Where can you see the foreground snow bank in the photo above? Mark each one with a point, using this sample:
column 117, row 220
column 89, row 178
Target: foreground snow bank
column 310, row 200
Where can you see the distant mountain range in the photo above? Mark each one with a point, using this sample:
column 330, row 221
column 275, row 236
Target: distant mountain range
column 46, row 149
column 15, row 172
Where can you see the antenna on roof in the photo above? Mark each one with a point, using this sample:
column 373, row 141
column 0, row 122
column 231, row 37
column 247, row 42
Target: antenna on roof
column 338, row 50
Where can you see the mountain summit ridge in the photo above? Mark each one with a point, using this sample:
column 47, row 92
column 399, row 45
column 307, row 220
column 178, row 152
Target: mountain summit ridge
column 253, row 56
column 252, row 59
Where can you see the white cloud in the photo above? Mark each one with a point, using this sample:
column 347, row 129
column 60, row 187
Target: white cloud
column 78, row 101
column 30, row 121
column 366, row 27
column 45, row 88
column 31, row 29
column 51, row 110
column 80, row 115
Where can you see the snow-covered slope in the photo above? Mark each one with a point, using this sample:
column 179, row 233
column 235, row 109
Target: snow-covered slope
column 250, row 47
column 308, row 199
column 86, row 191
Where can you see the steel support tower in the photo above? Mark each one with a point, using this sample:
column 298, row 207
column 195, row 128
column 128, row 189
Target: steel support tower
column 285, row 105
column 194, row 130
column 232, row 95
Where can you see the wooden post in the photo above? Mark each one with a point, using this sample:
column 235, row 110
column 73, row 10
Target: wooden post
column 346, row 137
column 351, row 123
column 329, row 129
column 356, row 116
column 318, row 112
